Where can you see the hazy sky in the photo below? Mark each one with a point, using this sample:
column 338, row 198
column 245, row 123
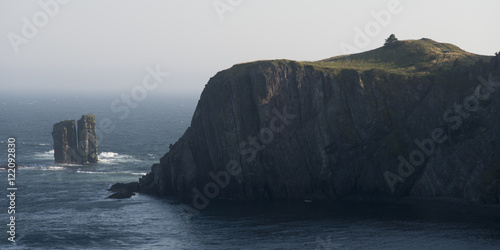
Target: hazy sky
column 106, row 45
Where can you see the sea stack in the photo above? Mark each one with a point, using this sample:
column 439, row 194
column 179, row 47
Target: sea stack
column 87, row 139
column 67, row 149
column 64, row 135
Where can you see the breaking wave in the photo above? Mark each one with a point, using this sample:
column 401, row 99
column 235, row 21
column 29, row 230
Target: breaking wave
column 112, row 157
column 104, row 158
column 43, row 168
column 45, row 155
column 110, row 172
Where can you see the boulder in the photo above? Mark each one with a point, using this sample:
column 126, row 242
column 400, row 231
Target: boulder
column 123, row 190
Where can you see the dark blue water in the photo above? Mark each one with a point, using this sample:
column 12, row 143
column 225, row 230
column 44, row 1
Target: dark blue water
column 65, row 206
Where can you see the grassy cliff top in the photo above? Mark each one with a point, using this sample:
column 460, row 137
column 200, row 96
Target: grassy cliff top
column 419, row 57
column 409, row 56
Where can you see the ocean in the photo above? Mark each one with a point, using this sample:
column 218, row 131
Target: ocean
column 64, row 206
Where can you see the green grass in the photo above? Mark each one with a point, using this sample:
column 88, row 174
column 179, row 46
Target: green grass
column 419, row 57
column 408, row 57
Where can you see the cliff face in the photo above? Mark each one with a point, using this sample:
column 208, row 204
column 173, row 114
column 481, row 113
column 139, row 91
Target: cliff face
column 73, row 147
column 64, row 135
column 290, row 130
column 87, row 139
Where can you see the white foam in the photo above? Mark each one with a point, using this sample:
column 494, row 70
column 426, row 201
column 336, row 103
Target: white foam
column 104, row 157
column 71, row 165
column 108, row 154
column 111, row 172
column 112, row 157
column 43, row 168
column 45, row 155
column 91, row 172
column 56, row 168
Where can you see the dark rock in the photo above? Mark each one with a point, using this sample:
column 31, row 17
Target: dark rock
column 87, row 139
column 130, row 187
column 123, row 190
column 147, row 184
column 290, row 130
column 64, row 135
column 67, row 149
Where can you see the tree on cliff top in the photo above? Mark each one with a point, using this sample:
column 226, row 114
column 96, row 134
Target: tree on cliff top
column 391, row 40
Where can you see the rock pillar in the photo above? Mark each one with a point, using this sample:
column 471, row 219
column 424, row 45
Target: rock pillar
column 64, row 135
column 87, row 139
column 67, row 149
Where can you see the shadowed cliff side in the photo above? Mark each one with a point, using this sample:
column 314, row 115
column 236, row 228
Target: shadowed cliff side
column 372, row 124
column 72, row 146
column 87, row 139
column 64, row 135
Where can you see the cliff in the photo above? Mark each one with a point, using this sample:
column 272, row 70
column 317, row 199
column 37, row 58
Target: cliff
column 417, row 119
column 87, row 139
column 73, row 147
column 64, row 135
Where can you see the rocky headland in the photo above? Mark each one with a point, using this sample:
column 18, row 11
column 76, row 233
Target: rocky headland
column 415, row 119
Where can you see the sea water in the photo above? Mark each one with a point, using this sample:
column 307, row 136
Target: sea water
column 64, row 205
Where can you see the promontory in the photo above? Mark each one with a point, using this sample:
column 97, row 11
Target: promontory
column 417, row 118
